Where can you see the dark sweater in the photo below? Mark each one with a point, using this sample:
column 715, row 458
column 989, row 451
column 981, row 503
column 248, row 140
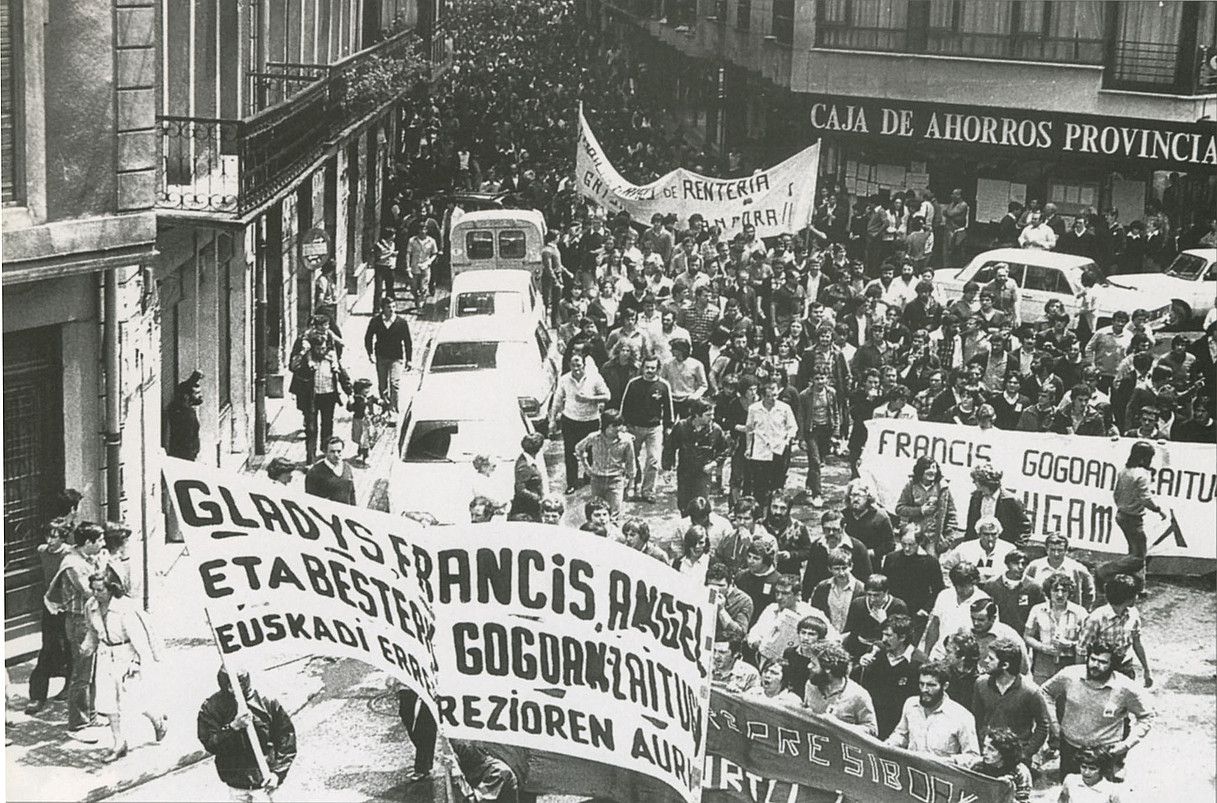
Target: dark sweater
column 890, row 686
column 646, row 403
column 916, row 579
column 817, row 563
column 390, row 342
column 323, row 482
column 1022, row 709
column 759, row 587
column 1014, row 604
column 872, row 527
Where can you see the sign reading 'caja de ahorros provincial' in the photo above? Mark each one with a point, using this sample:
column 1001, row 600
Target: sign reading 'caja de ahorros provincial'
column 1182, row 144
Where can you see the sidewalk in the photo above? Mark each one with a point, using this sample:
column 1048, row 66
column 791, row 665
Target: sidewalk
column 44, row 763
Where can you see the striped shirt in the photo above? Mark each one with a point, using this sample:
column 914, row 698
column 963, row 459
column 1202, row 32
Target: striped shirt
column 699, row 322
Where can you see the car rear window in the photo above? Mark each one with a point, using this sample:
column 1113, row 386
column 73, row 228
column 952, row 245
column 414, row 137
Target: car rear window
column 1188, row 266
column 479, row 245
column 465, row 356
column 456, row 440
column 474, row 304
column 511, row 244
column 988, row 271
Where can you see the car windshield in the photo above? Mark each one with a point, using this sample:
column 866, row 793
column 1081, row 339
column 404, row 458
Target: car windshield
column 453, row 441
column 465, row 356
column 1187, row 266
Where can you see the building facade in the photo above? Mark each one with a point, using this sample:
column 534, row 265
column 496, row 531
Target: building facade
column 176, row 175
column 81, row 350
column 1085, row 103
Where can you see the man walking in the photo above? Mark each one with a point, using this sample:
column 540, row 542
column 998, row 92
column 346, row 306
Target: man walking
column 577, row 400
column 934, row 724
column 608, row 458
column 330, row 478
column 388, row 344
column 646, row 410
column 770, row 427
column 697, row 446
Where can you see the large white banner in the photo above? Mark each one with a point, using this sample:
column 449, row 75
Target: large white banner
column 284, row 573
column 522, row 634
column 1066, row 482
column 777, row 201
column 562, row 641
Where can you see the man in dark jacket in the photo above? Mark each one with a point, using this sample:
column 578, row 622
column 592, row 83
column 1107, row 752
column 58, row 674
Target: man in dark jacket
column 530, row 482
column 794, row 541
column 224, row 734
column 889, row 672
column 868, row 613
column 646, row 410
column 697, row 447
column 990, row 500
column 182, row 421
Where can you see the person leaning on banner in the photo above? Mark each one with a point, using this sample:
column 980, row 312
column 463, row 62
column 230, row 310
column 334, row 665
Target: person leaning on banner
column 830, row 692
column 989, row 499
column 934, row 724
column 224, row 734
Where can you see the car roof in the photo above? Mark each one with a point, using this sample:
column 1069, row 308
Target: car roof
column 462, row 397
column 1204, row 253
column 509, row 279
column 498, row 328
column 1034, row 256
column 505, row 217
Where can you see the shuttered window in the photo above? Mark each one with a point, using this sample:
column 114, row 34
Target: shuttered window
column 10, row 97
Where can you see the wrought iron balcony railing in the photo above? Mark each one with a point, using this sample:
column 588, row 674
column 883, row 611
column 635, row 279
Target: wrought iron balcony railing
column 231, row 166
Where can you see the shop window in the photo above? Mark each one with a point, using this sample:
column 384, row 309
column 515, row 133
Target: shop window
column 479, row 245
column 1073, row 198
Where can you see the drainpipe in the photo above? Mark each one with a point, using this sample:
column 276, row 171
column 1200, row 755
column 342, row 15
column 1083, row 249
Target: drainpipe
column 114, row 433
column 260, row 337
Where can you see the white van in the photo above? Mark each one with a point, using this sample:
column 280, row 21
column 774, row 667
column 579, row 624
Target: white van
column 496, row 238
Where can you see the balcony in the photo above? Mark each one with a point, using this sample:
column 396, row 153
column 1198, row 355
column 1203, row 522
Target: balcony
column 231, row 167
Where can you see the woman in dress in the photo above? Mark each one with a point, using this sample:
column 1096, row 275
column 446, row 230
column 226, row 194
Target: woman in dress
column 773, row 685
column 1053, row 627
column 124, row 647
column 927, row 502
column 694, row 556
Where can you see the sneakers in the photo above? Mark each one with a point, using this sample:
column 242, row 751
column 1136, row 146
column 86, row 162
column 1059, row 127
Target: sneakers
column 817, row 501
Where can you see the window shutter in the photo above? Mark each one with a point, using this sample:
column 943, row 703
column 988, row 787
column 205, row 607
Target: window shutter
column 8, row 165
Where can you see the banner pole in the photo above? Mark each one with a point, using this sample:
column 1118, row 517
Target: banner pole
column 234, row 683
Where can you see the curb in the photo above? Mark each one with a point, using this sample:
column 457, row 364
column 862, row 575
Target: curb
column 188, row 760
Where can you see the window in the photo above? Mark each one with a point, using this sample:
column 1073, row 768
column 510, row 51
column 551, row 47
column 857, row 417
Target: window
column 1048, row 280
column 474, row 304
column 511, row 244
column 12, row 161
column 834, row 12
column 988, row 271
column 783, row 21
column 452, row 440
column 479, row 245
column 467, row 356
column 743, row 14
column 1190, row 267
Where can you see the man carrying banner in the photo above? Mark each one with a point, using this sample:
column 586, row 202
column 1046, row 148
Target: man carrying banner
column 934, row 724
column 830, row 692
column 224, row 734
column 889, row 672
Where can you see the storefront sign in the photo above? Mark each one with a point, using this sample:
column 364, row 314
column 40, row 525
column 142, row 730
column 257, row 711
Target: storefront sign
column 775, row 201
column 315, row 248
column 1182, row 144
column 1066, row 482
column 760, row 752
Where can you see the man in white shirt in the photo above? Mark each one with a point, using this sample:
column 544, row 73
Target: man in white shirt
column 1037, row 234
column 786, row 606
column 577, row 400
column 770, row 428
column 667, row 331
column 987, row 631
column 986, row 552
column 934, row 724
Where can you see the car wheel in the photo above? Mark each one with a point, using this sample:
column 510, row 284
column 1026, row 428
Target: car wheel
column 1181, row 313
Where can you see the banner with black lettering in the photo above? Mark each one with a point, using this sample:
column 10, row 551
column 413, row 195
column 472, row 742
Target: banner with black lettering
column 1066, row 482
column 554, row 640
column 777, row 200
column 286, row 574
column 761, row 752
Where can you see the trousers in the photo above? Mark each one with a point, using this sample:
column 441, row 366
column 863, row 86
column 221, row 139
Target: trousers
column 80, row 682
column 54, row 658
column 648, row 441
column 388, row 378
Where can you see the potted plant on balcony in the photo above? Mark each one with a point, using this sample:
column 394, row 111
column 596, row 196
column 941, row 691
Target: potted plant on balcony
column 371, row 84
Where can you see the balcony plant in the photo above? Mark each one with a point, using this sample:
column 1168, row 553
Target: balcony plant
column 374, row 82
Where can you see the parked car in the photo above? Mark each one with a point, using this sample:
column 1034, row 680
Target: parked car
column 1045, row 275
column 495, row 293
column 450, row 421
column 510, row 357
column 1190, row 280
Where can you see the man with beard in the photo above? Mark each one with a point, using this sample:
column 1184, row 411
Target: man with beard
column 934, row 724
column 1007, row 699
column 646, row 409
column 889, row 672
column 864, row 520
column 824, row 356
column 794, row 541
column 830, row 691
column 1096, row 703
